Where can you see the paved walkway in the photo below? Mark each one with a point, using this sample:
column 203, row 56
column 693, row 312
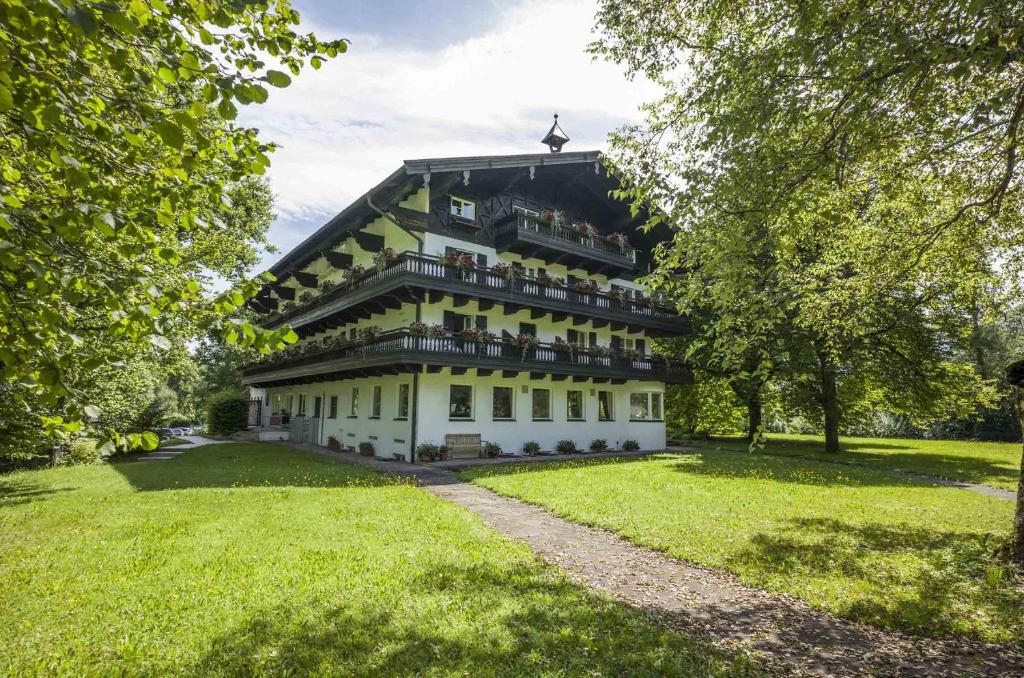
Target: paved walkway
column 705, row 603
column 986, row 490
column 164, row 453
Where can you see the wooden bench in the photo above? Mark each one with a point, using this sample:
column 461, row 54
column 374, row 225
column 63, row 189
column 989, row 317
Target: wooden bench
column 463, row 445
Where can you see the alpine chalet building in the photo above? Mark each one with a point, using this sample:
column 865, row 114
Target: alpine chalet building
column 466, row 301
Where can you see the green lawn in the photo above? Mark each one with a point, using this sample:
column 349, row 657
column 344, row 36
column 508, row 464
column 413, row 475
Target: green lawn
column 993, row 464
column 863, row 544
column 247, row 559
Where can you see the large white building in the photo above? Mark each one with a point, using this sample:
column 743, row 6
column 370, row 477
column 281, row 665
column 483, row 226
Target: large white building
column 482, row 296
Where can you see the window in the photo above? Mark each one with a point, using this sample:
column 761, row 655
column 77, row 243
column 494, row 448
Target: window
column 528, row 328
column 403, row 401
column 645, row 406
column 317, row 403
column 502, row 403
column 333, row 408
column 267, row 399
column 375, row 403
column 353, row 410
column 302, row 404
column 574, row 405
column 460, row 402
column 463, row 209
column 291, row 403
column 541, row 404
column 604, row 406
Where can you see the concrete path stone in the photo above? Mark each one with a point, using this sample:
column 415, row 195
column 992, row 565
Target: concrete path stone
column 165, row 453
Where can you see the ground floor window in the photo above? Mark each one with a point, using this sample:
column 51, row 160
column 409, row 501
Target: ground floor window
column 541, row 404
column 353, row 410
column 574, row 405
column 333, row 411
column 502, row 403
column 604, row 406
column 317, row 404
column 302, row 404
column 460, row 402
column 645, row 406
column 403, row 401
column 375, row 403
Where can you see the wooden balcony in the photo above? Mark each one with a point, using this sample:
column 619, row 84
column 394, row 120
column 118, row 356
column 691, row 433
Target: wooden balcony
column 529, row 237
column 400, row 351
column 415, row 277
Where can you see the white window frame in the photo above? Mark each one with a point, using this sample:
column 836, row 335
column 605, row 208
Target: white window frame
column 468, row 417
column 611, row 406
column 583, row 405
column 376, row 401
column 398, row 401
column 353, row 403
column 462, row 208
column 302, row 405
column 512, row 403
column 533, row 416
column 650, row 398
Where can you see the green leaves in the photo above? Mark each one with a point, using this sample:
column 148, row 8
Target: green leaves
column 277, row 78
column 170, row 133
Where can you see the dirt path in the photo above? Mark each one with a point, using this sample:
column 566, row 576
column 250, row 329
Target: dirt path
column 709, row 604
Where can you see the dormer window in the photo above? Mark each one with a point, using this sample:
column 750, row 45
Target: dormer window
column 463, row 209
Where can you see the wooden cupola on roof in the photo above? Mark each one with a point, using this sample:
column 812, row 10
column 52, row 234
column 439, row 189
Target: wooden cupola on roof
column 555, row 137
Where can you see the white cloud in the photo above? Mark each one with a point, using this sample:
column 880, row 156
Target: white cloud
column 345, row 127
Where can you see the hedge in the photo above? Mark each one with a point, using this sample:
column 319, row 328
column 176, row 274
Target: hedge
column 227, row 413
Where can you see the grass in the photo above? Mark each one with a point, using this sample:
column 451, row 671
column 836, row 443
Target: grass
column 862, row 544
column 173, row 442
column 246, row 559
column 992, row 464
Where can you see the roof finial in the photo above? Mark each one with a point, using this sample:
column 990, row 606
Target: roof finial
column 555, row 137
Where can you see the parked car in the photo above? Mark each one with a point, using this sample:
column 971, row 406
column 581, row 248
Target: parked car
column 187, row 430
column 164, row 433
column 178, row 431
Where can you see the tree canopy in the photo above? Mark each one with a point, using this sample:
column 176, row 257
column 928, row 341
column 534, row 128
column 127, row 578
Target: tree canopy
column 119, row 167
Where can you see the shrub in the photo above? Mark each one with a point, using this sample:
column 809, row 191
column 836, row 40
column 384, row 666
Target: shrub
column 81, row 451
column 227, row 413
column 428, row 452
column 531, row 448
column 492, row 449
column 598, row 445
column 631, row 446
column 565, row 447
column 366, row 449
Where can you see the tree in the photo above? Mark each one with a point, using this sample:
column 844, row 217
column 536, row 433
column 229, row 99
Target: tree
column 118, row 161
column 1015, row 377
column 868, row 148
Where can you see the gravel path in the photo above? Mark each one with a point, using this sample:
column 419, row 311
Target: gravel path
column 786, row 634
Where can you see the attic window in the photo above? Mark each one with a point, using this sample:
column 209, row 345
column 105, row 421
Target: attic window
column 463, row 209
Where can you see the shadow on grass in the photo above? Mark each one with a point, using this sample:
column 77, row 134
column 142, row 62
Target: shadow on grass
column 948, row 582
column 246, row 465
column 582, row 461
column 505, row 622
column 19, row 491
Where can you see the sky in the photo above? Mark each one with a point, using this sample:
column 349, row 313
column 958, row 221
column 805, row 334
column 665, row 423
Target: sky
column 431, row 79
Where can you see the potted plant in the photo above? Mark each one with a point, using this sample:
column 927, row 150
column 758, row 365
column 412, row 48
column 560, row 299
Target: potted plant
column 525, row 342
column 437, row 331
column 468, row 334
column 418, row 329
column 585, row 228
column 560, row 345
column 368, row 334
column 550, row 280
column 565, row 447
column 547, row 217
column 587, row 286
column 427, row 452
column 631, row 445
column 306, row 296
column 617, row 294
column 333, row 443
column 327, row 286
column 366, row 449
column 442, row 452
column 354, row 274
column 384, row 257
column 531, row 448
column 598, row 445
column 630, row 353
column 508, row 272
column 461, row 262
column 642, row 299
column 617, row 239
column 492, row 450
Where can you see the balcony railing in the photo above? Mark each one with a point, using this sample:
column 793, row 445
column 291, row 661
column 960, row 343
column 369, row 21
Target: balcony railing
column 565, row 233
column 469, row 352
column 509, row 280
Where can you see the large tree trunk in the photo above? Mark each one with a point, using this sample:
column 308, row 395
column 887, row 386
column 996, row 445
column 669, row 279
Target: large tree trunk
column 1015, row 376
column 754, row 415
column 829, row 401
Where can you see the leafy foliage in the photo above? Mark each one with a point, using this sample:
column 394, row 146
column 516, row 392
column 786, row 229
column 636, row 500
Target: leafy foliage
column 227, row 413
column 118, row 164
